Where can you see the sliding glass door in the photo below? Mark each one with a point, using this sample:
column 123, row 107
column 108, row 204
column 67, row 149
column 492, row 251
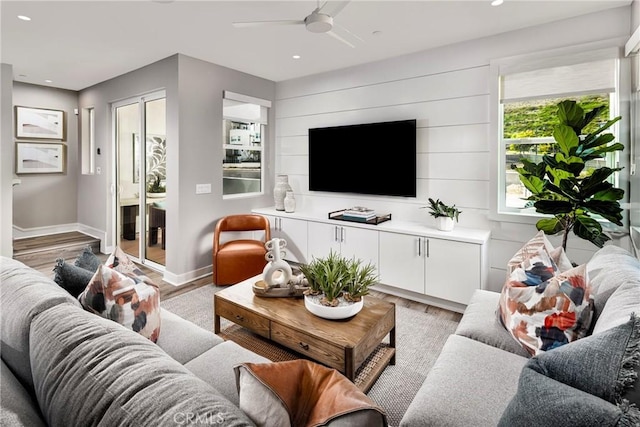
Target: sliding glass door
column 141, row 143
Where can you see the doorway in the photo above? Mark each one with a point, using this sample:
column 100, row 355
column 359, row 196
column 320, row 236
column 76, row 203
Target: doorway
column 141, row 180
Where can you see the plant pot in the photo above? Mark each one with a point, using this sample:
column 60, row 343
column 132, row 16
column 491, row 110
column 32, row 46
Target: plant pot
column 344, row 310
column 156, row 195
column 445, row 223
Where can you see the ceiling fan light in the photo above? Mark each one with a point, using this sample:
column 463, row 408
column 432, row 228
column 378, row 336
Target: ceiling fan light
column 319, row 23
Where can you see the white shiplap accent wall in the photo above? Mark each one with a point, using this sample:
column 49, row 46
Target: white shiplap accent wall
column 447, row 91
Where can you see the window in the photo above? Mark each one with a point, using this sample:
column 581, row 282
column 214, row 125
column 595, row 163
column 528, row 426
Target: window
column 528, row 94
column 243, row 127
column 88, row 141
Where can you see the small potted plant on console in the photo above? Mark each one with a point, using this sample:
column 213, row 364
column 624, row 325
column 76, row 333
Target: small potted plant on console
column 443, row 214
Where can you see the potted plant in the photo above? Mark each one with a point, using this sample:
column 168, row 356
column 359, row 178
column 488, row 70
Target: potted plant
column 155, row 188
column 444, row 214
column 565, row 187
column 337, row 285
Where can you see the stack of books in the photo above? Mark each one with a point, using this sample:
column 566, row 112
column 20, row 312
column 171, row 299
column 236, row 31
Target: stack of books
column 359, row 213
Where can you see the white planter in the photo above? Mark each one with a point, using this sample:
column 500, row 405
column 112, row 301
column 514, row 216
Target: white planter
column 156, row 195
column 343, row 311
column 444, row 223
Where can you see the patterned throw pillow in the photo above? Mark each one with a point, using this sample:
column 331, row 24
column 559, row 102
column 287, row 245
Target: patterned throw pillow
column 120, row 262
column 531, row 248
column 127, row 300
column 543, row 307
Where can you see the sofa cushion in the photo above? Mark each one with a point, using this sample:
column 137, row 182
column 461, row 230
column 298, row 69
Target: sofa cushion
column 120, row 262
column 90, row 371
column 483, row 377
column 608, row 269
column 124, row 299
column 215, row 367
column 17, row 408
column 87, row 260
column 624, row 301
column 303, row 393
column 582, row 382
column 24, row 293
column 481, row 323
column 183, row 340
column 71, row 278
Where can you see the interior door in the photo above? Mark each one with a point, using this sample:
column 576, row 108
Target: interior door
column 140, row 170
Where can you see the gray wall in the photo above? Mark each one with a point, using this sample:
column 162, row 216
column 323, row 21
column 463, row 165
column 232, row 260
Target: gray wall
column 6, row 160
column 194, row 155
column 447, row 91
column 48, row 202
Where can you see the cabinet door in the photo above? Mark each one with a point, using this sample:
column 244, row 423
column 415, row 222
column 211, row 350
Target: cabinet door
column 322, row 239
column 453, row 269
column 294, row 231
column 402, row 262
column 359, row 243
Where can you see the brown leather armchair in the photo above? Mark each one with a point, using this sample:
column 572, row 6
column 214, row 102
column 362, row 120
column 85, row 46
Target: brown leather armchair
column 237, row 260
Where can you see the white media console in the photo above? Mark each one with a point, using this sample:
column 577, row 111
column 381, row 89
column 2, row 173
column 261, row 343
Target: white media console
column 414, row 261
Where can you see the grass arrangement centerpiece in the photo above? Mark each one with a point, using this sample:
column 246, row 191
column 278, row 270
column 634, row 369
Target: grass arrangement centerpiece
column 337, row 285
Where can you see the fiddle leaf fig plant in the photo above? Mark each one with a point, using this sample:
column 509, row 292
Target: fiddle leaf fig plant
column 564, row 186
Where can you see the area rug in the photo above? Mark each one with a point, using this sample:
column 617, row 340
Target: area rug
column 420, row 337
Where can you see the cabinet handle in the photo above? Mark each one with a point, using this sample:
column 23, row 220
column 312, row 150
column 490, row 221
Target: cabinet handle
column 419, row 246
column 303, row 345
column 240, row 318
column 335, row 233
column 341, row 234
column 427, row 248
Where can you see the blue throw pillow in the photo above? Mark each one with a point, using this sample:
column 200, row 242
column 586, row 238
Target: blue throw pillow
column 590, row 382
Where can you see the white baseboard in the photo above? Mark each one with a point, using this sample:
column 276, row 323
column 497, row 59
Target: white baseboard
column 23, row 233
column 413, row 296
column 184, row 278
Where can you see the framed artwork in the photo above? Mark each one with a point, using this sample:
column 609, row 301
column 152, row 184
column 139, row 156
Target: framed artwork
column 39, row 123
column 40, row 158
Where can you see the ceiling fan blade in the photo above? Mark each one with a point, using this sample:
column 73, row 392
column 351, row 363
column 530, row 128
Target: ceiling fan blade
column 348, row 32
column 265, row 23
column 334, row 7
column 337, row 37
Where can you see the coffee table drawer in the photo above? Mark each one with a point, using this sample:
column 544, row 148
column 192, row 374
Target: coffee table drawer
column 244, row 318
column 320, row 351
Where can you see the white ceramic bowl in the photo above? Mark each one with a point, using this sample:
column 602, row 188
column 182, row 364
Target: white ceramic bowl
column 333, row 313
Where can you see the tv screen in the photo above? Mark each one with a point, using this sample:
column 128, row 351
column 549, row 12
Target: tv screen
column 372, row 158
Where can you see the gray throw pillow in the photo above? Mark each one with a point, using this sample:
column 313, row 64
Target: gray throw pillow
column 88, row 260
column 590, row 382
column 71, row 278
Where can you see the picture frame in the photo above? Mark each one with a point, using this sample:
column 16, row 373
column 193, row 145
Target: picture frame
column 38, row 158
column 39, row 123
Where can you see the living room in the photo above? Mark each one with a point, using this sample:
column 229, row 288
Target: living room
column 452, row 92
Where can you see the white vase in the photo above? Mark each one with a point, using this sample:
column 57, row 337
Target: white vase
column 289, row 202
column 444, row 223
column 277, row 272
column 280, row 191
column 342, row 311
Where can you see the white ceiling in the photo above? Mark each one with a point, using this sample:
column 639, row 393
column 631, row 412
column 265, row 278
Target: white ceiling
column 77, row 44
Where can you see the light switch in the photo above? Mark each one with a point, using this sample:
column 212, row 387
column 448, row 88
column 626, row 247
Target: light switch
column 203, row 188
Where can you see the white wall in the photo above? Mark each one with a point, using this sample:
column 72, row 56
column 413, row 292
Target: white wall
column 447, row 91
column 6, row 160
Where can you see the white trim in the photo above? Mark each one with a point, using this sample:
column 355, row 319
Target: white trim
column 633, row 44
column 190, row 276
column 246, row 98
column 24, row 233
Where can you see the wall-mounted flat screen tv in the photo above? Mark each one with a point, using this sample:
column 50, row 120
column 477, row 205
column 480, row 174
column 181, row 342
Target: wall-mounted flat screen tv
column 372, row 158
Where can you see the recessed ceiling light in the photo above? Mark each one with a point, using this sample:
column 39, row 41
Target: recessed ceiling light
column 296, row 57
column 497, row 2
column 48, row 81
column 24, row 18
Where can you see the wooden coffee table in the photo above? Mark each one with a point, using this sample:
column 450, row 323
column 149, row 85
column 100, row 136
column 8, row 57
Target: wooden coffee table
column 340, row 344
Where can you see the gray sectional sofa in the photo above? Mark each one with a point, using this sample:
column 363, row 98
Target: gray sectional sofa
column 63, row 366
column 477, row 374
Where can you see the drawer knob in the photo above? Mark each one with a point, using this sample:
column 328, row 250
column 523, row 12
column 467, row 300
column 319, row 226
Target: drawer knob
column 304, row 346
column 240, row 318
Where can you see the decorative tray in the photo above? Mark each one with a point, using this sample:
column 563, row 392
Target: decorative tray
column 338, row 215
column 261, row 289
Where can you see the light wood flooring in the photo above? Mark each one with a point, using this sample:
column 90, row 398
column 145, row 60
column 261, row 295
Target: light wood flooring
column 41, row 253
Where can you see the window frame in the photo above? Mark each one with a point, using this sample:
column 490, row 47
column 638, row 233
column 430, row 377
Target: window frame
column 557, row 57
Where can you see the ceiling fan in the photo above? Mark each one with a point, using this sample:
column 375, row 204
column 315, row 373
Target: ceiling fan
column 318, row 21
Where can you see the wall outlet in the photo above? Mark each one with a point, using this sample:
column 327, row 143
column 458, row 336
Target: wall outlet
column 98, row 170
column 203, row 188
